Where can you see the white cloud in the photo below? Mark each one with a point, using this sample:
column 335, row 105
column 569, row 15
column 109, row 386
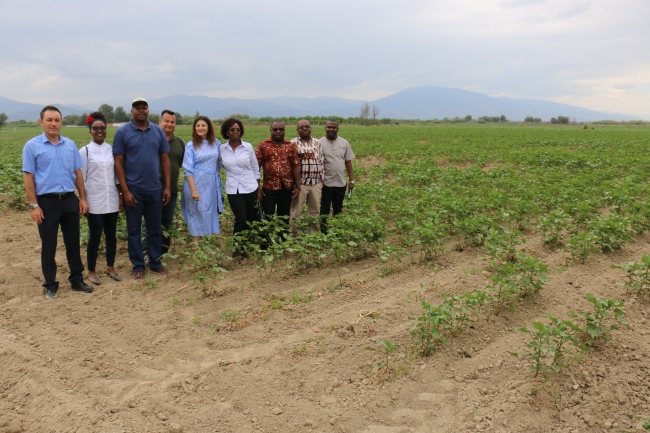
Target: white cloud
column 587, row 52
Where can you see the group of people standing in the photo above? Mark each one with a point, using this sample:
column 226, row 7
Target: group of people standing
column 139, row 174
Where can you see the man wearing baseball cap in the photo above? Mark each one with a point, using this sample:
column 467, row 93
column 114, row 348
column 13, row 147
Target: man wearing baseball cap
column 141, row 152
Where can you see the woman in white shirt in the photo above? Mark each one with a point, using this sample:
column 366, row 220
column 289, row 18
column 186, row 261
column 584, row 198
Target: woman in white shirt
column 103, row 194
column 238, row 158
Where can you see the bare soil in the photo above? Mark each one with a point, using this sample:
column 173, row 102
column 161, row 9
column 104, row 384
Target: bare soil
column 157, row 356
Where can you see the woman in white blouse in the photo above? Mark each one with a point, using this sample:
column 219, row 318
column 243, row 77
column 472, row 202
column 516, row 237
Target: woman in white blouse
column 103, row 194
column 238, row 158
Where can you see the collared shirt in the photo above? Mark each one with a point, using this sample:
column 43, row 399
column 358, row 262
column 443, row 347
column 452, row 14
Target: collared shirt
column 99, row 176
column 311, row 160
column 277, row 162
column 242, row 168
column 336, row 153
column 53, row 165
column 176, row 152
column 141, row 150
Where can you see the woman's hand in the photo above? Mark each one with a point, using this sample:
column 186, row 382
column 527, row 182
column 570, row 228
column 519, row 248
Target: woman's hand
column 195, row 195
column 260, row 194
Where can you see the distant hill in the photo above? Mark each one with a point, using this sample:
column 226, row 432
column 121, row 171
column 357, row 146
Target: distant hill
column 424, row 103
column 23, row 110
column 439, row 102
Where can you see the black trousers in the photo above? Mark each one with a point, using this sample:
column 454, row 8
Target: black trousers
column 332, row 196
column 280, row 199
column 167, row 220
column 63, row 212
column 242, row 207
column 98, row 223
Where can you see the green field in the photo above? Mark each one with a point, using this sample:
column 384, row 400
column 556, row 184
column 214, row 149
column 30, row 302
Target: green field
column 419, row 187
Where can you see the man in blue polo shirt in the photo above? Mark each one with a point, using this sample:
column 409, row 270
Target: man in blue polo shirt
column 140, row 149
column 51, row 170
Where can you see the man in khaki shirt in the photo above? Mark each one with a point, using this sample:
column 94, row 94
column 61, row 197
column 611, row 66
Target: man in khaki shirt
column 311, row 176
column 338, row 158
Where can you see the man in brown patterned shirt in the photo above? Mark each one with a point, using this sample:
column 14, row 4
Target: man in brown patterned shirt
column 280, row 165
column 311, row 175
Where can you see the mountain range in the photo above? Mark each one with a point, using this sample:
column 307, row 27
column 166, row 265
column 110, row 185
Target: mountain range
column 423, row 103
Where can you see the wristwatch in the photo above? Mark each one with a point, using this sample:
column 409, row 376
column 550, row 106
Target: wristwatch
column 352, row 182
column 33, row 206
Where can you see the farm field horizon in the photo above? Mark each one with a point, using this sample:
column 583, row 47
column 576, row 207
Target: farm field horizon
column 494, row 227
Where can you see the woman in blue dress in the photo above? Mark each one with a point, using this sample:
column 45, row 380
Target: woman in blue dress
column 201, row 200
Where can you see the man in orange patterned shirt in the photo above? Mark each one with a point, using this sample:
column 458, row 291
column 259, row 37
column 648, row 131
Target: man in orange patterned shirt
column 280, row 164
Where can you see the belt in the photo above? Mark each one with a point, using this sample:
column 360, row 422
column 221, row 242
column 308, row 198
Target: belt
column 60, row 196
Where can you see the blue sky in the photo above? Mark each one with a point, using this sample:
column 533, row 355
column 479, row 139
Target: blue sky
column 590, row 53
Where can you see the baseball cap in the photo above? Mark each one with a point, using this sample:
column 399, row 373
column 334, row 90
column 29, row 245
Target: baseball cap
column 138, row 101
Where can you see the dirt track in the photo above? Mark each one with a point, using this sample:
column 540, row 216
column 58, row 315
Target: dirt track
column 153, row 356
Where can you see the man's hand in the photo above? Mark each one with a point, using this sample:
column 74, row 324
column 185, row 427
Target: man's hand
column 121, row 203
column 260, row 194
column 129, row 199
column 166, row 196
column 37, row 215
column 83, row 207
column 351, row 185
column 295, row 193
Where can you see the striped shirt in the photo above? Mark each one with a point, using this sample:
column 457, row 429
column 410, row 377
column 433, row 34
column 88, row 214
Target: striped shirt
column 311, row 160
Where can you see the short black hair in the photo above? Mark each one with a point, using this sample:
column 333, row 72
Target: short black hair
column 227, row 124
column 96, row 115
column 50, row 108
column 333, row 120
column 167, row 112
column 278, row 121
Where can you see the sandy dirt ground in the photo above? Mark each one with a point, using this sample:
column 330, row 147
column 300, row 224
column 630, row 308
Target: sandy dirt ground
column 157, row 356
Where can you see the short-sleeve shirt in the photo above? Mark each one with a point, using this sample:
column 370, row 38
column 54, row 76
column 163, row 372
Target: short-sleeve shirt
column 277, row 161
column 336, row 154
column 141, row 150
column 176, row 152
column 311, row 160
column 53, row 165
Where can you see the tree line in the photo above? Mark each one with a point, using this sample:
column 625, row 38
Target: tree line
column 367, row 115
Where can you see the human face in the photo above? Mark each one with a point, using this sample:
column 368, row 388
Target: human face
column 51, row 123
column 277, row 132
column 168, row 123
column 304, row 129
column 234, row 132
column 331, row 130
column 140, row 112
column 98, row 131
column 201, row 129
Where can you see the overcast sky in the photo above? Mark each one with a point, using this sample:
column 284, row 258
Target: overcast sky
column 590, row 53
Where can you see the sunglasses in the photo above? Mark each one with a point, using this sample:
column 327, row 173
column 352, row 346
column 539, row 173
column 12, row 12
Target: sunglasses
column 99, row 128
column 277, row 129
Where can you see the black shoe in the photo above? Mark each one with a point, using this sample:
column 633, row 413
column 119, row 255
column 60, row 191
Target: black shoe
column 82, row 287
column 51, row 294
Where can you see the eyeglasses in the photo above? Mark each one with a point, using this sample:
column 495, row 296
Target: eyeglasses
column 99, row 128
column 277, row 129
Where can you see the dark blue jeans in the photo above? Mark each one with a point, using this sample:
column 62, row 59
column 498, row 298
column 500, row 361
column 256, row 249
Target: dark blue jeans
column 150, row 206
column 98, row 224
